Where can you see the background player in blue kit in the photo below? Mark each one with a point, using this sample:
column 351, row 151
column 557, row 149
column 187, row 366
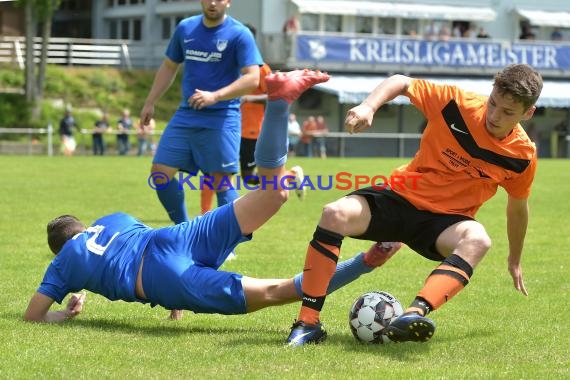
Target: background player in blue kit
column 177, row 266
column 220, row 63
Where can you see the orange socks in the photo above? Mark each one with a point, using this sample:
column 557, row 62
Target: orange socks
column 206, row 199
column 444, row 282
column 320, row 265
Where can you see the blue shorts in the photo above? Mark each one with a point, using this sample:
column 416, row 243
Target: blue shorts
column 210, row 150
column 180, row 267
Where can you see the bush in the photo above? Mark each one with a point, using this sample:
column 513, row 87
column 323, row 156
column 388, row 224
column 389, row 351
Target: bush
column 14, row 111
column 108, row 89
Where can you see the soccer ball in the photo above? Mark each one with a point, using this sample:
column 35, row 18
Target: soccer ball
column 371, row 313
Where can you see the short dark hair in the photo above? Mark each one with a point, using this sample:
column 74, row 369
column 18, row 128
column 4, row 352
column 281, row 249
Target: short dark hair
column 61, row 229
column 522, row 82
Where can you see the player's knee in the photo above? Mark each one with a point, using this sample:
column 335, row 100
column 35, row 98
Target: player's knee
column 281, row 196
column 333, row 217
column 478, row 242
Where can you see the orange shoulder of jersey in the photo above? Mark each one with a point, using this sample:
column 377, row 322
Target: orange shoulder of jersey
column 459, row 165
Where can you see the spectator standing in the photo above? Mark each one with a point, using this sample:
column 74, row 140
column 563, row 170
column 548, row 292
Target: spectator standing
column 307, row 135
column 124, row 126
column 144, row 137
column 101, row 127
column 527, row 33
column 320, row 136
column 66, row 126
column 294, row 133
column 444, row 33
column 556, row 35
column 483, row 33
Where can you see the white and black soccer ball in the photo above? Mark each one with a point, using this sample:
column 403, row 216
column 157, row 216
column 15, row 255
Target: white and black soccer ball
column 371, row 313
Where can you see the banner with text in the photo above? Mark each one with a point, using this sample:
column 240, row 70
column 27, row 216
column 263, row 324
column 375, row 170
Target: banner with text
column 472, row 53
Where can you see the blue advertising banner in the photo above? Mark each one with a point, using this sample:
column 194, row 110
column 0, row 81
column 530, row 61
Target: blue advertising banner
column 472, row 53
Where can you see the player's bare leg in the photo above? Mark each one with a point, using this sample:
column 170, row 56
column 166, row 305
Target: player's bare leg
column 261, row 293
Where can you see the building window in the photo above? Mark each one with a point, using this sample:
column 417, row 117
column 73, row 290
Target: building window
column 310, row 22
column 124, row 29
column 166, row 30
column 333, row 23
column 410, row 27
column 386, row 26
column 137, row 29
column 364, row 24
column 113, row 32
column 169, row 24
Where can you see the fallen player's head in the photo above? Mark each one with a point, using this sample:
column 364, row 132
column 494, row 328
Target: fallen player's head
column 61, row 229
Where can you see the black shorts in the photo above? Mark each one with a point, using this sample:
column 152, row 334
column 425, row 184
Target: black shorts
column 247, row 154
column 393, row 218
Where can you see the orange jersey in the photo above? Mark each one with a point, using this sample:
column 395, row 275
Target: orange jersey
column 459, row 165
column 252, row 113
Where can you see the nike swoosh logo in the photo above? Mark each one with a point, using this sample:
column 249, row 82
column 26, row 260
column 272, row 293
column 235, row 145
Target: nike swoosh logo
column 296, row 339
column 250, row 164
column 186, row 40
column 226, row 165
column 452, row 126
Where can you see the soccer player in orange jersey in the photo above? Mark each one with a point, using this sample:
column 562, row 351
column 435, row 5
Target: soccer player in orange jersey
column 472, row 145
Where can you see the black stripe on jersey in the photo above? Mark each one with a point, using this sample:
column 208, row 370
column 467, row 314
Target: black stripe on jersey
column 458, row 128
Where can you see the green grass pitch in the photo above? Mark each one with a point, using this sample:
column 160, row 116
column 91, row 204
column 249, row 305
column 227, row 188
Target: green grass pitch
column 489, row 331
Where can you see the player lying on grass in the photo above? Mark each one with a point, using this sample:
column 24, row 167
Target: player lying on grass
column 177, row 266
column 472, row 145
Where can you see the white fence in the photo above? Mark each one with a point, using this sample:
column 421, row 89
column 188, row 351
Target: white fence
column 46, row 140
column 49, row 142
column 68, row 51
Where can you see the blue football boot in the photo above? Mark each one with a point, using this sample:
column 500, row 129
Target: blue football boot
column 410, row 327
column 303, row 333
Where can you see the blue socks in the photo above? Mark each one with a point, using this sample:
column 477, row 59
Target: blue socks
column 172, row 199
column 270, row 152
column 346, row 272
column 227, row 196
column 271, row 148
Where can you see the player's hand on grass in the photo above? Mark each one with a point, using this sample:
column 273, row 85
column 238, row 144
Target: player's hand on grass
column 515, row 270
column 175, row 315
column 75, row 304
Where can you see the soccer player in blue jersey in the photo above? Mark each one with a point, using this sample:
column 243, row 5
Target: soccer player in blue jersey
column 220, row 63
column 176, row 267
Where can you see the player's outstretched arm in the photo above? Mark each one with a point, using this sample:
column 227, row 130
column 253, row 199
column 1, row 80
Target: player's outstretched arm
column 359, row 118
column 517, row 222
column 38, row 308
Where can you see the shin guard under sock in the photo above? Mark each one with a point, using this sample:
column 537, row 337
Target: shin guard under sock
column 320, row 265
column 445, row 281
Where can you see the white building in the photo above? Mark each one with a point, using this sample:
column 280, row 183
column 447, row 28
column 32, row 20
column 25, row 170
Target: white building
column 360, row 43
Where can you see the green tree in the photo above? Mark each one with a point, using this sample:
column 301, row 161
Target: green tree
column 37, row 11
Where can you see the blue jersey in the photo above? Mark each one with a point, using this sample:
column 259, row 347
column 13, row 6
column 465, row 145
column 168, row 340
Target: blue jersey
column 213, row 58
column 104, row 259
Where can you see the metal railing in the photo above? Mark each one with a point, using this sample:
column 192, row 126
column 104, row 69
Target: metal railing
column 32, row 145
column 83, row 143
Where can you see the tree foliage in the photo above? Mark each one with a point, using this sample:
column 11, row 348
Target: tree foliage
column 37, row 11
